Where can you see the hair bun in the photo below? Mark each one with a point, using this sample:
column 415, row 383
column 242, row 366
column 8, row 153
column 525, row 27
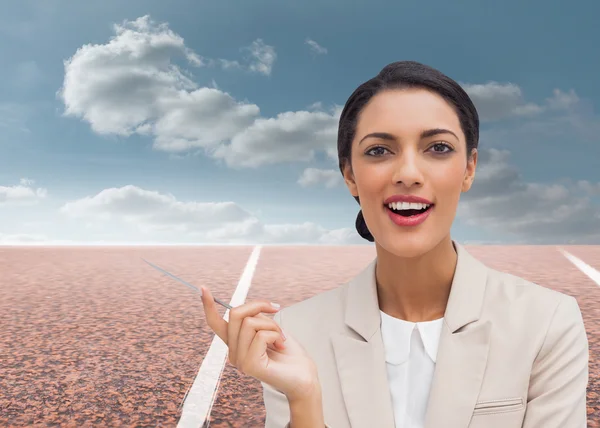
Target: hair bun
column 362, row 229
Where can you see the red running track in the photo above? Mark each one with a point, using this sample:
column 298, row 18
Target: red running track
column 92, row 336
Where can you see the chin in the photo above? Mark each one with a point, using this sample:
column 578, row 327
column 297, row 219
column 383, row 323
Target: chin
column 406, row 241
column 409, row 245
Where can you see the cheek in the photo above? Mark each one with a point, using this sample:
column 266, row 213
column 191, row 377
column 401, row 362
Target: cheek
column 447, row 182
column 371, row 180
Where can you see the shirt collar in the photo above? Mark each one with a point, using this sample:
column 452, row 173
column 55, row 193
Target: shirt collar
column 396, row 334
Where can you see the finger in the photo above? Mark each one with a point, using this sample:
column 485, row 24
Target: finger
column 263, row 316
column 279, row 343
column 214, row 320
column 250, row 327
column 256, row 359
column 277, row 346
column 237, row 315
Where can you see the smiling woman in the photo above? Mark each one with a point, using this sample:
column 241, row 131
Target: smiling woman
column 404, row 210
column 426, row 336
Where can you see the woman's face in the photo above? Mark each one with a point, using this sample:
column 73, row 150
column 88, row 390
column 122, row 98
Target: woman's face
column 409, row 143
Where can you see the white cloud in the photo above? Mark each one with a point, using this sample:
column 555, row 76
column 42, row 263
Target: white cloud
column 130, row 85
column 202, row 118
column 495, row 101
column 289, row 137
column 132, row 204
column 263, row 57
column 314, row 176
column 589, row 188
column 161, row 217
column 315, row 47
column 501, row 201
column 22, row 194
column 562, row 100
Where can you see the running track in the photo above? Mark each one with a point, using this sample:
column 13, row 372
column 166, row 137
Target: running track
column 92, row 336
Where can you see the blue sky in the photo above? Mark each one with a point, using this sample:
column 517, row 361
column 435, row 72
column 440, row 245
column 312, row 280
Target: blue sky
column 185, row 122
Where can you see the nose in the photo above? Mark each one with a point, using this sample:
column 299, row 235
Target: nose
column 407, row 170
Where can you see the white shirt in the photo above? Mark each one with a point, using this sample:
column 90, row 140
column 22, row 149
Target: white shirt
column 410, row 355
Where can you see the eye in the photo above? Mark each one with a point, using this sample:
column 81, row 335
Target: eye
column 376, row 151
column 441, row 148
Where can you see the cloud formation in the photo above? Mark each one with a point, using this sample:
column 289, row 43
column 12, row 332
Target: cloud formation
column 261, row 59
column 293, row 136
column 502, row 201
column 130, row 85
column 133, row 85
column 315, row 47
column 162, row 217
column 22, row 194
column 327, row 177
column 496, row 101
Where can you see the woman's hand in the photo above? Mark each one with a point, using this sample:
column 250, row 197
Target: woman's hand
column 259, row 348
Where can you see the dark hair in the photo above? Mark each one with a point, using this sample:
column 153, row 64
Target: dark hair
column 401, row 75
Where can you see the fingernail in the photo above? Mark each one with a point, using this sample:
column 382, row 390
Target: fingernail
column 275, row 305
column 283, row 334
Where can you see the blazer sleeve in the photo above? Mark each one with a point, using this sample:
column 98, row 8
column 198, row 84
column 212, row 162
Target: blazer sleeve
column 277, row 407
column 276, row 403
column 559, row 377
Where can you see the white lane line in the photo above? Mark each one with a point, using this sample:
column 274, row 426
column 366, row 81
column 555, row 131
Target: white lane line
column 583, row 266
column 201, row 396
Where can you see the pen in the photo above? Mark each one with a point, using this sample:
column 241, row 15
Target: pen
column 186, row 283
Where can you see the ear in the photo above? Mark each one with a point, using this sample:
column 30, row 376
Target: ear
column 470, row 171
column 349, row 179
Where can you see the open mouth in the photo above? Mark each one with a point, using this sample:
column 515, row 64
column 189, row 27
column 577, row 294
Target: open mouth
column 408, row 209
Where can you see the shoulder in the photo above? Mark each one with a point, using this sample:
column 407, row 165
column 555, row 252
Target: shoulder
column 520, row 294
column 316, row 317
column 532, row 310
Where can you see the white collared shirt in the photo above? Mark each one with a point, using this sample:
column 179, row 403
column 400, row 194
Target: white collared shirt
column 410, row 355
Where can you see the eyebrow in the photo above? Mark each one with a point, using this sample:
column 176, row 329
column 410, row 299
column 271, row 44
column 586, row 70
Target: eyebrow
column 425, row 134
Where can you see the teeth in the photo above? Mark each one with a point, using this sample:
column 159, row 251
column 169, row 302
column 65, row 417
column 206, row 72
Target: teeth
column 407, row 206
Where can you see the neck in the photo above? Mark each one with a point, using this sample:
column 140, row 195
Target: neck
column 416, row 289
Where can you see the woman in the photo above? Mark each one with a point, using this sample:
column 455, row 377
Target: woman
column 425, row 336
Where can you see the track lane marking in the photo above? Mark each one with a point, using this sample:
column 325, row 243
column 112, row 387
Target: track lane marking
column 200, row 398
column 592, row 273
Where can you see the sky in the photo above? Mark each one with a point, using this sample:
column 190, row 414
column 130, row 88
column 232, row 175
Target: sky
column 188, row 122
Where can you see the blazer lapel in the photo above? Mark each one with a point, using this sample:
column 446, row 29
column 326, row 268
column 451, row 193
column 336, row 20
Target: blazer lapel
column 463, row 350
column 360, row 356
column 461, row 360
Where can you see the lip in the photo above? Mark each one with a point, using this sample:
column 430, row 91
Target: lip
column 414, row 220
column 407, row 198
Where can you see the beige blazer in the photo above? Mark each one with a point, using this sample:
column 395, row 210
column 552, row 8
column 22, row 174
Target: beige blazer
column 511, row 354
